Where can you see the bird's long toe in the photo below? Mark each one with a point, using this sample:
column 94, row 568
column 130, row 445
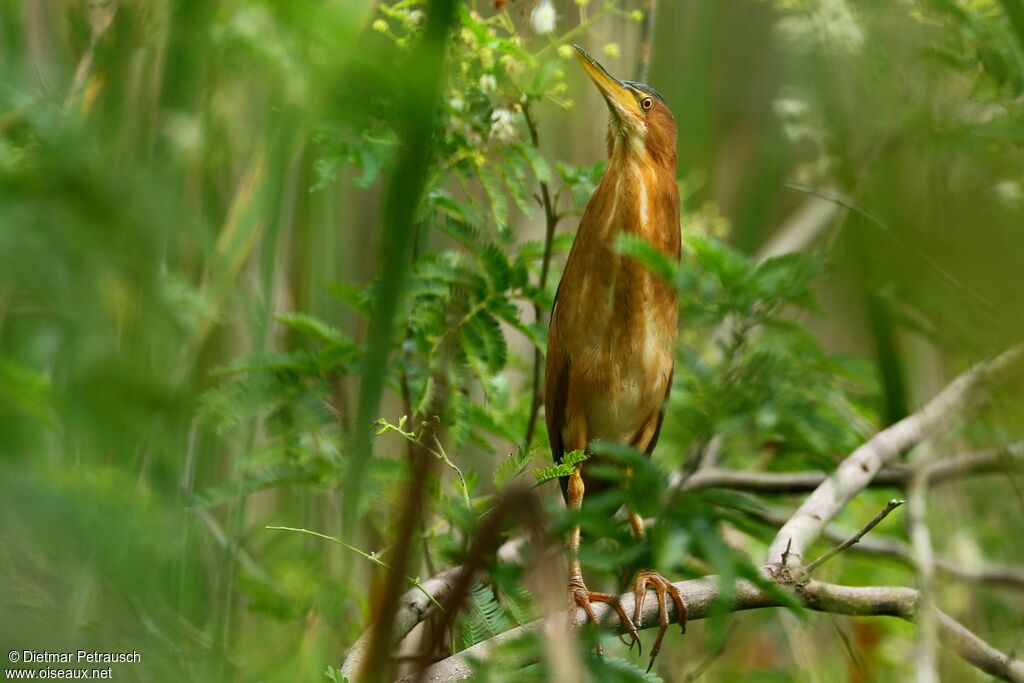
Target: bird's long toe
column 663, row 589
column 583, row 598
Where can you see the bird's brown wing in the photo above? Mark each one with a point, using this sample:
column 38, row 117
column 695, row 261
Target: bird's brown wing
column 661, row 413
column 556, row 391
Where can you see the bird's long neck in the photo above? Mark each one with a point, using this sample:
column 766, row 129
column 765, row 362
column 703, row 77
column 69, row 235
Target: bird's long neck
column 637, row 194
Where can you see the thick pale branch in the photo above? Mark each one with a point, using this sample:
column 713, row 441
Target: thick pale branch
column 993, row 461
column 699, row 594
column 860, row 467
column 413, row 607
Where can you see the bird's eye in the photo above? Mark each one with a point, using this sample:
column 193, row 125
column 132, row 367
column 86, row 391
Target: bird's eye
column 646, row 103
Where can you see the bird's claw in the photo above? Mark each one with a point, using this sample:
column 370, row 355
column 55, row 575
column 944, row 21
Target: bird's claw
column 662, row 588
column 583, row 598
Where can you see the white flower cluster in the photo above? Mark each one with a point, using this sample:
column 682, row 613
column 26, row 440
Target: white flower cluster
column 503, row 127
column 830, row 23
column 543, row 17
column 803, row 126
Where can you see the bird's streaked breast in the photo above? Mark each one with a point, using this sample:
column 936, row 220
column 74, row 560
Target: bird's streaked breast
column 617, row 319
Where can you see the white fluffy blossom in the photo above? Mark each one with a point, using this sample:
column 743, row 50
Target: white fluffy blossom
column 543, row 17
column 488, row 83
column 830, row 23
column 503, row 126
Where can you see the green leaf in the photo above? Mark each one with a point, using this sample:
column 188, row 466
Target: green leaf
column 334, row 675
column 537, row 164
column 636, row 247
column 511, row 467
column 484, row 341
column 563, row 469
column 25, row 391
column 618, row 670
column 493, row 189
column 484, row 619
column 313, row 327
column 497, row 267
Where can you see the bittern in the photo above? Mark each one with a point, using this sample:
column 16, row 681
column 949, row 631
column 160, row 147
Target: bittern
column 611, row 343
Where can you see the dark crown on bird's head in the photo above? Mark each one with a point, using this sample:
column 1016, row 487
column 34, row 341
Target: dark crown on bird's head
column 644, row 88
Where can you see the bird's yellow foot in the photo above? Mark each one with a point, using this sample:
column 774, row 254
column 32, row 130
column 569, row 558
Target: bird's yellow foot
column 583, row 598
column 662, row 588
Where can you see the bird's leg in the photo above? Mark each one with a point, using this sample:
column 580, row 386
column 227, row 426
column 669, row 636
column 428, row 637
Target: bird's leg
column 663, row 588
column 581, row 596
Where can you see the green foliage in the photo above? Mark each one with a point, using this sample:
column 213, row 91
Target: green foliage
column 611, row 669
column 334, row 675
column 484, row 618
column 564, row 468
column 190, row 209
column 511, row 467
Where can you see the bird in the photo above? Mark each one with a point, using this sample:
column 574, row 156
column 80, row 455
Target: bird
column 614, row 323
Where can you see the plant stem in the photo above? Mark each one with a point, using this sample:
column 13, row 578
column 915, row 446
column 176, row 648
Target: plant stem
column 372, row 557
column 550, row 223
column 646, row 48
column 892, row 505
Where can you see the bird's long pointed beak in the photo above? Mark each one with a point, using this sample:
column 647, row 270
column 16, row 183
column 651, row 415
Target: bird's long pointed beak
column 619, row 97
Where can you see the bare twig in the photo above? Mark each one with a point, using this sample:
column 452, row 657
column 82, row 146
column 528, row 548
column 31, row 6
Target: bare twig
column 371, row 557
column 860, row 467
column 927, row 651
column 551, row 219
column 712, row 657
column 699, row 594
column 892, row 505
column 646, row 47
column 992, row 461
column 851, row 652
column 785, row 553
column 996, row 575
column 972, row 297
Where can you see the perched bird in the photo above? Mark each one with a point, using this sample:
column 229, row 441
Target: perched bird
column 611, row 344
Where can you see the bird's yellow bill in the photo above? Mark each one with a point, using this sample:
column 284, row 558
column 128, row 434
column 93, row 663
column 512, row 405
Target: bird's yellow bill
column 613, row 89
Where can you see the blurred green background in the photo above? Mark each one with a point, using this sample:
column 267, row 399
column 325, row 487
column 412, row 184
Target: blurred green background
column 197, row 202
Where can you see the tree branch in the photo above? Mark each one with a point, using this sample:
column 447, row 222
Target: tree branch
column 893, row 504
column 1007, row 576
column 699, row 595
column 646, row 47
column 860, row 467
column 923, row 553
column 550, row 224
column 991, row 461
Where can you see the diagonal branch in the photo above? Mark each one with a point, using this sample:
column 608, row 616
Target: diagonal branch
column 990, row 461
column 893, row 504
column 999, row 575
column 699, row 595
column 861, row 466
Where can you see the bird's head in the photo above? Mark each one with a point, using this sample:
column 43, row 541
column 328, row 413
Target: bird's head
column 640, row 121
